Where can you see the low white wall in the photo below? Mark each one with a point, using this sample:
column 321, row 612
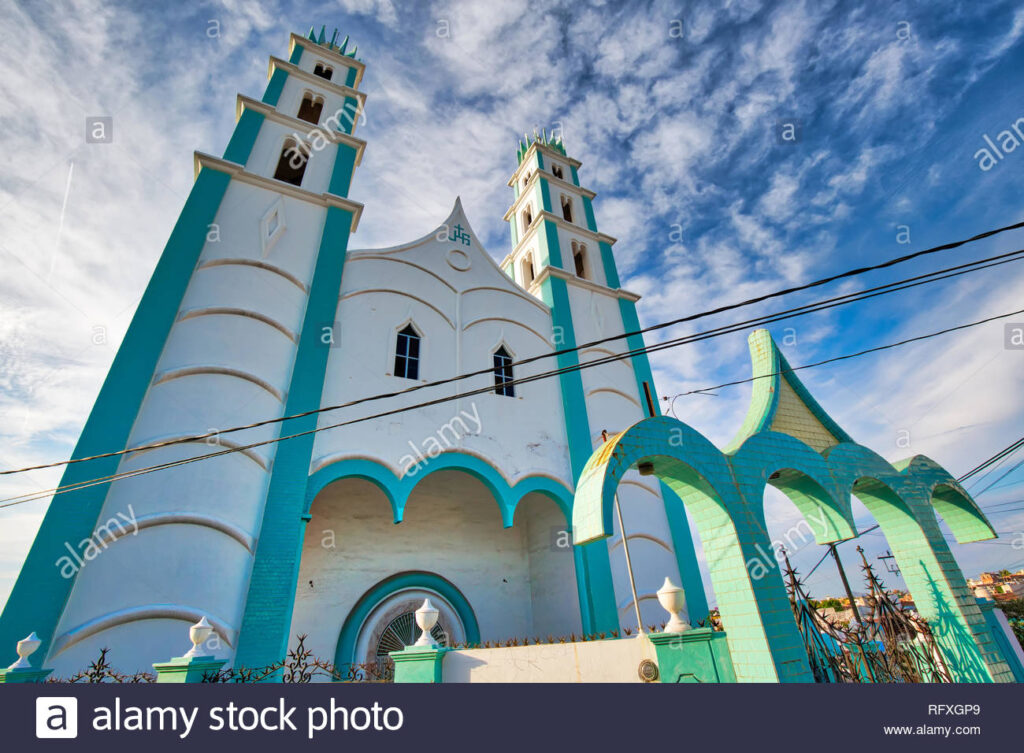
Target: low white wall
column 592, row 661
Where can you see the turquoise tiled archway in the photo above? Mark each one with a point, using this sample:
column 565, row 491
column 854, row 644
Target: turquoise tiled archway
column 789, row 442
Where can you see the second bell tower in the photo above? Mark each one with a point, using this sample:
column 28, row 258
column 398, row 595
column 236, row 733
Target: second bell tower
column 559, row 256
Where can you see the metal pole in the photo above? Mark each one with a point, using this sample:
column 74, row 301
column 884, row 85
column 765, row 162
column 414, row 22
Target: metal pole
column 846, row 583
column 629, row 567
column 855, row 619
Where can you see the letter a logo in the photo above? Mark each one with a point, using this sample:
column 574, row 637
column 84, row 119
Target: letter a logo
column 56, row 717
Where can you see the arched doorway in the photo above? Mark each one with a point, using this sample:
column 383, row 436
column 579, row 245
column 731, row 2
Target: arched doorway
column 376, row 546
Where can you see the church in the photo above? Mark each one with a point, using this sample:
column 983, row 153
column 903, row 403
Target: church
column 324, row 436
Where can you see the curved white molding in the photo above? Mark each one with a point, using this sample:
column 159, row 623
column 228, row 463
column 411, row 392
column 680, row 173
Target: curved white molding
column 325, row 460
column 229, row 311
column 183, row 518
column 187, row 614
column 171, row 374
column 639, row 484
column 509, row 321
column 603, row 353
column 620, row 393
column 209, row 441
column 518, row 292
column 259, row 265
column 645, row 536
column 402, row 294
column 381, row 257
column 628, row 604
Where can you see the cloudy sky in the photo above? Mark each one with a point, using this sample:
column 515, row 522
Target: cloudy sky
column 674, row 109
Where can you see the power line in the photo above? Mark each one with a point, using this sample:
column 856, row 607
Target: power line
column 708, row 334
column 1009, row 449
column 854, row 355
column 19, row 499
column 825, row 304
column 828, row 548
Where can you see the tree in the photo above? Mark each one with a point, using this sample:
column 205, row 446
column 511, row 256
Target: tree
column 1013, row 608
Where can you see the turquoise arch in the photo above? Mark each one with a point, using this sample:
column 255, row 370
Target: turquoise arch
column 345, row 652
column 398, row 489
column 724, row 493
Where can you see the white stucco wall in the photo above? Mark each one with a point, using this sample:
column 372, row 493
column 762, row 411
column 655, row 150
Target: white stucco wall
column 592, row 661
column 464, row 315
column 515, row 583
column 188, row 562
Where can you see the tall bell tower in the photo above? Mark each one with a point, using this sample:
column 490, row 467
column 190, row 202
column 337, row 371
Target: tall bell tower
column 228, row 332
column 559, row 256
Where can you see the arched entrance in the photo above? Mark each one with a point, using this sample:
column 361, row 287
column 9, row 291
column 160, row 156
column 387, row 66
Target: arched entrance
column 376, row 546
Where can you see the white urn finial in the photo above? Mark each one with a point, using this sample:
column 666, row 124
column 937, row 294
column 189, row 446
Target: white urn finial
column 198, row 634
column 672, row 600
column 26, row 647
column 426, row 618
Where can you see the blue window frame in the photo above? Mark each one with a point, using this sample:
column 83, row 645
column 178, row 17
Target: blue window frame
column 407, row 354
column 503, row 373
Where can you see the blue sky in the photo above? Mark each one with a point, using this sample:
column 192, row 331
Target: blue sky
column 677, row 133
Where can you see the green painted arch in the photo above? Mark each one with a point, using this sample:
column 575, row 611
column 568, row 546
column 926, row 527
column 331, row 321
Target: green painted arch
column 472, row 465
column 547, row 487
column 803, row 475
column 399, row 489
column 881, row 487
column 363, row 468
column 848, row 462
column 345, row 652
column 763, row 647
column 961, row 513
column 957, row 507
column 858, row 470
column 657, row 439
column 900, row 497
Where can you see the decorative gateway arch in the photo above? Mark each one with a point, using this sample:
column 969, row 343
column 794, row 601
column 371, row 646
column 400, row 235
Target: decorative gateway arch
column 788, row 441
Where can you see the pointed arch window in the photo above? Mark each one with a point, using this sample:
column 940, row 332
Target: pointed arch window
column 407, row 353
column 311, row 108
column 323, row 71
column 292, row 164
column 528, row 273
column 579, row 259
column 503, row 373
column 527, row 217
column 566, row 208
column 556, row 170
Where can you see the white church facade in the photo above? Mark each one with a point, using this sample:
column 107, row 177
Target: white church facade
column 335, row 523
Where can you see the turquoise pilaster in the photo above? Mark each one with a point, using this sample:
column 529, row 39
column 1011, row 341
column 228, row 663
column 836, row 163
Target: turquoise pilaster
column 594, row 578
column 263, row 638
column 244, row 137
column 187, row 669
column 344, row 168
column 417, row 664
column 700, row 655
column 275, row 86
